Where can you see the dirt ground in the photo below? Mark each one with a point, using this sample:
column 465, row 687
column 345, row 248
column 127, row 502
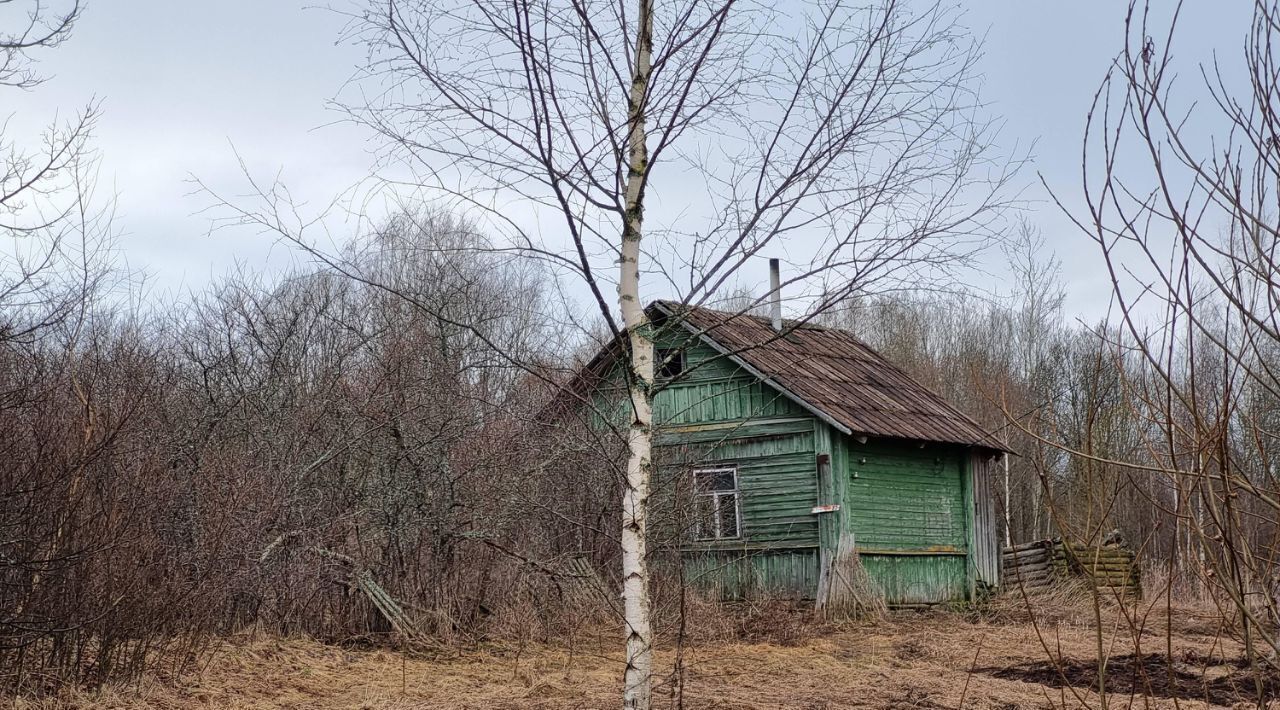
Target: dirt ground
column 910, row 660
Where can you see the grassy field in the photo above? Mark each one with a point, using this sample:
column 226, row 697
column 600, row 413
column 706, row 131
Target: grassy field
column 910, row 660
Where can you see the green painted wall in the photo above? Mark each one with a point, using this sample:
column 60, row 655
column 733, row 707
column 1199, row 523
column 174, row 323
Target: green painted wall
column 777, row 574
column 717, row 400
column 918, row 579
column 904, row 498
column 713, row 390
column 776, row 481
column 905, row 505
column 907, row 508
column 718, row 413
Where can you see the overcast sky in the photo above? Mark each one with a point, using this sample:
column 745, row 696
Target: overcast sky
column 182, row 83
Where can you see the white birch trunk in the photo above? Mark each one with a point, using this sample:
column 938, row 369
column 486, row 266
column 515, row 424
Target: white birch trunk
column 637, row 678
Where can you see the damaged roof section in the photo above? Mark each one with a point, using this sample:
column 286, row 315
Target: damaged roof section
column 833, row 374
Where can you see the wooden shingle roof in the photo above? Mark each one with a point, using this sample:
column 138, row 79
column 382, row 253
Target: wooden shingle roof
column 834, row 375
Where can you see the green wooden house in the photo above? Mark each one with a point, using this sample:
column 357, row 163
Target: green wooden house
column 793, row 439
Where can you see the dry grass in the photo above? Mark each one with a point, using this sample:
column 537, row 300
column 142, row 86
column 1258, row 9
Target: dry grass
column 909, row 660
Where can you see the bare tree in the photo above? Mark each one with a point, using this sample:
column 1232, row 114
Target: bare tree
column 1180, row 199
column 49, row 217
column 680, row 143
column 35, row 27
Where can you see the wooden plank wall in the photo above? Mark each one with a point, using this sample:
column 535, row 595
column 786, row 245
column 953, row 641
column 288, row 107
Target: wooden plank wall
column 903, row 498
column 777, row 480
column 987, row 532
column 773, row 574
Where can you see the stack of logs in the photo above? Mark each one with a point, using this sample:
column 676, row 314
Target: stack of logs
column 1044, row 564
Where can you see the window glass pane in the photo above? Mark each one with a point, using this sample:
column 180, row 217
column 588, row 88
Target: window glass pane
column 728, row 505
column 670, row 362
column 710, row 480
column 704, row 524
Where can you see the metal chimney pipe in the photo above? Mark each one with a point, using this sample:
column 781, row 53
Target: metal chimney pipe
column 775, row 294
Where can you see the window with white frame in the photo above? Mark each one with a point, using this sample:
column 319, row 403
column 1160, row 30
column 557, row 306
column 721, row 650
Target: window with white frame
column 716, row 503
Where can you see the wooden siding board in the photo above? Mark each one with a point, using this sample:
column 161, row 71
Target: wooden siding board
column 917, row 579
column 905, row 501
column 830, row 524
column 771, row 440
column 907, row 510
column 712, row 432
column 734, row 399
column 987, row 531
column 733, row 575
column 970, row 568
column 777, row 483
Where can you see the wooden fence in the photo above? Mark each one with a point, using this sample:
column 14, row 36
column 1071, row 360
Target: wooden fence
column 1044, row 564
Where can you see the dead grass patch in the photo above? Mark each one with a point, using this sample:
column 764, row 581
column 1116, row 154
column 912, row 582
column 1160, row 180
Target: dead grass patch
column 908, row 660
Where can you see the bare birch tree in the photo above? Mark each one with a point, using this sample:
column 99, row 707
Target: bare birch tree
column 679, row 143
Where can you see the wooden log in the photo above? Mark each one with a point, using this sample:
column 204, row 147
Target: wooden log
column 1027, row 561
column 1038, row 575
column 1102, row 563
column 1020, row 559
column 1031, row 575
column 1044, row 564
column 1095, row 565
column 1032, row 584
column 1028, row 567
column 1032, row 545
column 1027, row 551
column 1025, row 573
column 1041, row 567
column 1124, row 568
column 1111, row 558
column 1029, row 564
